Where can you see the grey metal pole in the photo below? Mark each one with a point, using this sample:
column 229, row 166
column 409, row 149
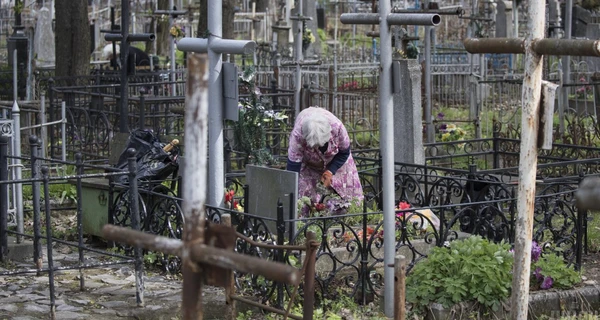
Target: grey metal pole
column 566, row 68
column 386, row 116
column 428, row 112
column 43, row 129
column 124, row 110
column 299, row 57
column 16, row 116
column 63, row 116
column 532, row 84
column 216, row 174
column 172, row 54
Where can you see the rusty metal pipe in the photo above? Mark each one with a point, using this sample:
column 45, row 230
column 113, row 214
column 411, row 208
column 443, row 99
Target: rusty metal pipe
column 495, row 45
column 278, row 272
column 201, row 253
column 562, row 47
column 142, row 239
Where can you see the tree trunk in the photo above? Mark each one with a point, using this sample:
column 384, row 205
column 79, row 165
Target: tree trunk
column 72, row 38
column 163, row 38
column 228, row 17
column 203, row 21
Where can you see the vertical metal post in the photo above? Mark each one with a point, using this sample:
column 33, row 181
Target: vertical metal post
column 43, row 129
column 428, row 118
column 36, row 195
column 216, row 174
column 63, row 117
column 566, row 69
column 134, row 211
column 18, row 187
column 195, row 169
column 230, row 288
column 51, row 129
column 399, row 288
column 580, row 232
column 79, row 167
column 172, row 53
column 386, row 117
column 47, row 209
column 142, row 106
column 3, row 198
column 280, row 252
column 124, row 110
column 299, row 58
column 532, row 85
column 15, row 73
column 309, row 276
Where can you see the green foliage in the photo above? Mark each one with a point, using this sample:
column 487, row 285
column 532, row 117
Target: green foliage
column 473, row 269
column 553, row 266
column 254, row 115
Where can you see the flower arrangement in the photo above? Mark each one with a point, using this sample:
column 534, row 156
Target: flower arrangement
column 550, row 271
column 583, row 91
column 254, row 115
column 176, row 31
column 231, row 203
column 448, row 132
column 307, row 38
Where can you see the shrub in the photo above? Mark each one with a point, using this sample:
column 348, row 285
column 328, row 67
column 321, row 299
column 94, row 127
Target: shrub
column 472, row 269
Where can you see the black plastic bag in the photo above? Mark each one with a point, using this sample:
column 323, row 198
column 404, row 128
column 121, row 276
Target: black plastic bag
column 153, row 163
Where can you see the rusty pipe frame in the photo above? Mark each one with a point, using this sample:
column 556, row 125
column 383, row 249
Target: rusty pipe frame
column 204, row 254
column 555, row 47
column 415, row 19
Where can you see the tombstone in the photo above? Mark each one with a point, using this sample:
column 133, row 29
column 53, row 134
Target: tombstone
column 408, row 128
column 43, row 42
column 580, row 20
column 265, row 187
column 503, row 19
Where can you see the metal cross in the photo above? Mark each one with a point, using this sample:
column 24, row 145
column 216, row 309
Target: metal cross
column 386, row 117
column 215, row 45
column 534, row 47
column 125, row 38
column 206, row 252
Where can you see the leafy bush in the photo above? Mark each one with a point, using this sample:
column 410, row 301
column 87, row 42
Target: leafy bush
column 550, row 271
column 473, row 269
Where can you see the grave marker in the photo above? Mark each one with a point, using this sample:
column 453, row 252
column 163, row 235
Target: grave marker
column 266, row 186
column 386, row 115
column 534, row 46
column 215, row 46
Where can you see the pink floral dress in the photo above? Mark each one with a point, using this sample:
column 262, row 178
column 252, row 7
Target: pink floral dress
column 345, row 181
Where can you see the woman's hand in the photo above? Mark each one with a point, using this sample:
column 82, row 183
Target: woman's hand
column 326, row 178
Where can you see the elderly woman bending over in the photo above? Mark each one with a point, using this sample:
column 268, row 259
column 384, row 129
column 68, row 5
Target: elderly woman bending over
column 319, row 149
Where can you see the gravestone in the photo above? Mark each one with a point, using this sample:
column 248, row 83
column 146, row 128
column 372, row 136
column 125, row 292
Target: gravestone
column 503, row 19
column 265, row 187
column 44, row 39
column 408, row 114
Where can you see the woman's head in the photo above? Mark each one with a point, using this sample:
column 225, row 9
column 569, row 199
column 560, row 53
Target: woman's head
column 316, row 130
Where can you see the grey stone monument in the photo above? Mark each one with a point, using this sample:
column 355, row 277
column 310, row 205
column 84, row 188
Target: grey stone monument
column 503, row 19
column 265, row 187
column 44, row 39
column 408, row 113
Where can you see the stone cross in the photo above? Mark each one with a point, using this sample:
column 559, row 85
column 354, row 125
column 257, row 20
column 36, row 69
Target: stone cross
column 215, row 45
column 386, row 115
column 534, row 47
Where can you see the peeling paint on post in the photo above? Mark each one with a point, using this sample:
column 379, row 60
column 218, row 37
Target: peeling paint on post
column 532, row 88
column 195, row 183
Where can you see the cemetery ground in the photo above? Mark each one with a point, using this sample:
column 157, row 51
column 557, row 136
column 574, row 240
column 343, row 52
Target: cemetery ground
column 110, row 292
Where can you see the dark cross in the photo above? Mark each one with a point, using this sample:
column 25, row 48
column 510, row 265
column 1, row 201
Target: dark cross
column 207, row 256
column 386, row 117
column 534, row 47
column 172, row 13
column 125, row 38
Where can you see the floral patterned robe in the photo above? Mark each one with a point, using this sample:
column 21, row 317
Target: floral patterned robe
column 345, row 181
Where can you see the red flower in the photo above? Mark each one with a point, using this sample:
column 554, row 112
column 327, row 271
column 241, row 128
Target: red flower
column 403, row 205
column 320, row 206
